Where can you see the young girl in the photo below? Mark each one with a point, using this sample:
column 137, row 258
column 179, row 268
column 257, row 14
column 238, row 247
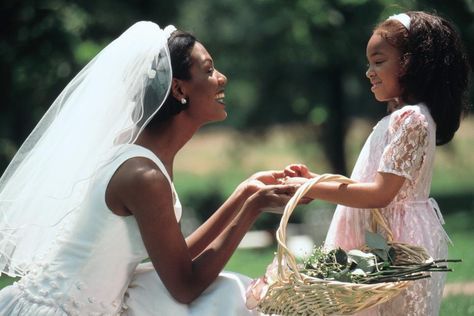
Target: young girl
column 416, row 60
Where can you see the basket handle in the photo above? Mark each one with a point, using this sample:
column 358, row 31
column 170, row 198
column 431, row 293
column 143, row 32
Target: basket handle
column 377, row 220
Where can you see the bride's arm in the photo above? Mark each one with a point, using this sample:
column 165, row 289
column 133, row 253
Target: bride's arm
column 202, row 237
column 145, row 192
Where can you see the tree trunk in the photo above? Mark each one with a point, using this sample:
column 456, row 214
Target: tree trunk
column 334, row 132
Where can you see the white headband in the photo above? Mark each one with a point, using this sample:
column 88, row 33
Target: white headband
column 402, row 18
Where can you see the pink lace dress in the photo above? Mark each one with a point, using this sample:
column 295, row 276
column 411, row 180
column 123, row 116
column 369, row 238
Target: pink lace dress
column 402, row 143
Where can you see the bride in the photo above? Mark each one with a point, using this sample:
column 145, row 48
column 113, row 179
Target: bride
column 89, row 195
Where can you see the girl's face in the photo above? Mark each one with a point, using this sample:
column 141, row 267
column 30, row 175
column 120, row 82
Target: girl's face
column 205, row 89
column 384, row 68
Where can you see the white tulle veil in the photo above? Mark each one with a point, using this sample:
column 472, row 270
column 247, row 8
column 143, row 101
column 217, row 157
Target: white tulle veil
column 102, row 107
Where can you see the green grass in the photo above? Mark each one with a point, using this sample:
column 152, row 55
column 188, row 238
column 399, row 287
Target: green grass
column 251, row 262
column 460, row 227
column 458, row 305
column 219, row 159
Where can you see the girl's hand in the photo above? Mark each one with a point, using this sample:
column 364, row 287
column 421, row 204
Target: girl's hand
column 298, row 170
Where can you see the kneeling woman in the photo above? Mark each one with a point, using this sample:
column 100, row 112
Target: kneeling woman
column 89, row 195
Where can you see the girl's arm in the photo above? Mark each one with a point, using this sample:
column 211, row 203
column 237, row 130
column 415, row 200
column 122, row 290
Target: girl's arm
column 408, row 136
column 376, row 194
column 145, row 192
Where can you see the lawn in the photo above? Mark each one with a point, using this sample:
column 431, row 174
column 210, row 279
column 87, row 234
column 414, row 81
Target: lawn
column 221, row 158
column 460, row 226
column 216, row 160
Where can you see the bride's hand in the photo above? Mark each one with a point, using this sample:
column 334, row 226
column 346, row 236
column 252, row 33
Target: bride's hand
column 262, row 178
column 272, row 198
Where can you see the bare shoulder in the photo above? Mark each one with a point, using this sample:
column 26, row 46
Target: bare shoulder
column 137, row 182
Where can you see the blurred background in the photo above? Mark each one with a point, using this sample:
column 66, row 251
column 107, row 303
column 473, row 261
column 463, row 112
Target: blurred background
column 297, row 92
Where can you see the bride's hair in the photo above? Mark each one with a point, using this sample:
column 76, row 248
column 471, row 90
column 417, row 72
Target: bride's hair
column 180, row 45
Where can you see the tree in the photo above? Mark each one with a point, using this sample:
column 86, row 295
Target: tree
column 45, row 43
column 287, row 61
column 301, row 61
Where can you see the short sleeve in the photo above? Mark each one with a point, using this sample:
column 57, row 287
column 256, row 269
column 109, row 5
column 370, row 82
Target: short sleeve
column 407, row 143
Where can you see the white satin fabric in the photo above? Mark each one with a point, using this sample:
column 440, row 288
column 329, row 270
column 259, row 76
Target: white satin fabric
column 94, row 269
column 402, row 143
column 147, row 296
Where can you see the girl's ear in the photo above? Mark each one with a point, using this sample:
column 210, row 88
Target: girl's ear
column 177, row 89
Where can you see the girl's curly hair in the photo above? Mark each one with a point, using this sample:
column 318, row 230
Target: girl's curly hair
column 436, row 68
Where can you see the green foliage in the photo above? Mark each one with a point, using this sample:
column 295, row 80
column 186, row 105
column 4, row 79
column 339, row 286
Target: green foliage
column 287, row 61
column 378, row 245
column 460, row 226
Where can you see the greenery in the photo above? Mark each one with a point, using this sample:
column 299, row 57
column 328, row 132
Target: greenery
column 378, row 263
column 458, row 305
column 253, row 262
column 202, row 186
column 296, row 93
column 460, row 226
column 304, row 61
column 300, row 93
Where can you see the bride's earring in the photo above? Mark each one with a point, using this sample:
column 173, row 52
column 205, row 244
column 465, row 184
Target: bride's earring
column 184, row 101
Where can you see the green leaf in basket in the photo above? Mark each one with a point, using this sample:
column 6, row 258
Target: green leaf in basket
column 341, row 257
column 342, row 276
column 375, row 241
column 392, row 255
column 381, row 253
column 365, row 261
column 338, row 256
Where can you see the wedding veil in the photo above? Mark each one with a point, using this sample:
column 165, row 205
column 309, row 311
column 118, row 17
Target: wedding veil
column 102, row 107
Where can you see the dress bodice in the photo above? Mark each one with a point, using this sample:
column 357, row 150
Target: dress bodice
column 92, row 264
column 402, row 143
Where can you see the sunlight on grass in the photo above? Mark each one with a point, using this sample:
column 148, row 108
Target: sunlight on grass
column 224, row 157
column 459, row 305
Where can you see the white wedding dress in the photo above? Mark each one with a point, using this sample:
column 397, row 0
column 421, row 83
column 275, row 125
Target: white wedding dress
column 96, row 267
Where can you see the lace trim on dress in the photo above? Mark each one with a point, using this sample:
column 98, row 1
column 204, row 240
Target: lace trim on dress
column 405, row 153
column 44, row 288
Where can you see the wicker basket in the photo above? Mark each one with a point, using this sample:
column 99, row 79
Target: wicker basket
column 295, row 293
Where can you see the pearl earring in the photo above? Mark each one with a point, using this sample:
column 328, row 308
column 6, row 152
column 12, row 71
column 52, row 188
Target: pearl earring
column 184, row 101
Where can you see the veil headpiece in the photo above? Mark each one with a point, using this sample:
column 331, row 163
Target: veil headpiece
column 101, row 108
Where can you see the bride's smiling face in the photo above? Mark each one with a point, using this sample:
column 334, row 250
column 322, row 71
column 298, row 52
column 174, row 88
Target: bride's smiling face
column 205, row 89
